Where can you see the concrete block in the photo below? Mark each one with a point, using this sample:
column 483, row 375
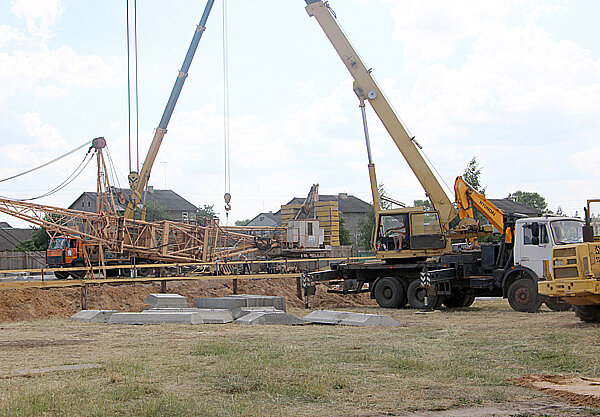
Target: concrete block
column 349, row 319
column 156, row 318
column 93, row 316
column 261, row 300
column 261, row 317
column 219, row 303
column 241, row 312
column 166, row 301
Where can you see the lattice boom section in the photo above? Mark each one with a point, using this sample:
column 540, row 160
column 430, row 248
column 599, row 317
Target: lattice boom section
column 164, row 240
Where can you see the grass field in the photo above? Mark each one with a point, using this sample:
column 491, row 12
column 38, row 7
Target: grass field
column 451, row 360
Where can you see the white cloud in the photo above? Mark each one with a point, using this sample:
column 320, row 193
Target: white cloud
column 40, row 15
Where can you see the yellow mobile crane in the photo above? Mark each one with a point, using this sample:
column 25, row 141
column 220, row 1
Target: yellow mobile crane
column 415, row 262
column 424, row 234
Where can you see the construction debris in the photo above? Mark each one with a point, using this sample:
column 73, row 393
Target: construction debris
column 349, row 319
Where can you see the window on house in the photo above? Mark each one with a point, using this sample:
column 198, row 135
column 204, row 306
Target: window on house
column 83, row 204
column 262, row 218
column 310, row 229
column 89, row 204
column 184, row 215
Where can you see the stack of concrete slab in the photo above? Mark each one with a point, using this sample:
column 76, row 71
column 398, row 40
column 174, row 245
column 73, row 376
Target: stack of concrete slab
column 252, row 309
column 173, row 308
column 349, row 319
column 232, row 302
column 93, row 316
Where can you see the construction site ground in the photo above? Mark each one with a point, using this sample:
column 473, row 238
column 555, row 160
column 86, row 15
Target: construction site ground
column 486, row 360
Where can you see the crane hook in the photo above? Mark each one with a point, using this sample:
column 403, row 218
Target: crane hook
column 227, row 198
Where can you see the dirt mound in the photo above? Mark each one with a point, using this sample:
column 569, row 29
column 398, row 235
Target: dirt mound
column 576, row 390
column 31, row 303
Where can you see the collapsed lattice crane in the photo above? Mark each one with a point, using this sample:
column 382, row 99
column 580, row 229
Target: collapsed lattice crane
column 105, row 237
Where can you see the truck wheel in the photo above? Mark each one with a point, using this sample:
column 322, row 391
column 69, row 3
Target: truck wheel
column 61, row 275
column 469, row 301
column 589, row 314
column 556, row 304
column 459, row 300
column 390, row 293
column 523, row 296
column 416, row 296
column 78, row 274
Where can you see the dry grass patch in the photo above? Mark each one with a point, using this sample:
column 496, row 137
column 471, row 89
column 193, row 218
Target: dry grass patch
column 453, row 359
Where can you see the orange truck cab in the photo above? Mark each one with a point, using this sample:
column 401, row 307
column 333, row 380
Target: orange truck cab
column 65, row 251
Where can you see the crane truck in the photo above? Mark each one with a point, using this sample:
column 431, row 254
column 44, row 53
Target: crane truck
column 527, row 256
column 415, row 262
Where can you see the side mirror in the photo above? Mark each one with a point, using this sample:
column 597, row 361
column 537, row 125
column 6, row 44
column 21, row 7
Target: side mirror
column 535, row 230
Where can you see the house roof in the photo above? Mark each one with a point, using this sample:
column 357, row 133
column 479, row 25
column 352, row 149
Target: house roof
column 4, row 225
column 167, row 199
column 513, row 207
column 9, row 237
column 346, row 203
column 270, row 215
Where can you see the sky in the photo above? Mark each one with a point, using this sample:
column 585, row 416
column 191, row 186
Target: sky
column 514, row 83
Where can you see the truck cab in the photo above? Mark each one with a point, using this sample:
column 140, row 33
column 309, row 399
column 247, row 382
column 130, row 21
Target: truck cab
column 65, row 251
column 535, row 237
column 409, row 232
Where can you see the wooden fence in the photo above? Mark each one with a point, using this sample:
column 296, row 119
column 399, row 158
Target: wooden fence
column 22, row 260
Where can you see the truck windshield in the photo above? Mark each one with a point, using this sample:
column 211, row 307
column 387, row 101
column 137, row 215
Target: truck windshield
column 567, row 231
column 58, row 243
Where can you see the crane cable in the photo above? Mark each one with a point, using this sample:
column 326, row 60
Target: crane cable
column 227, row 168
column 135, row 53
column 82, row 165
column 47, row 163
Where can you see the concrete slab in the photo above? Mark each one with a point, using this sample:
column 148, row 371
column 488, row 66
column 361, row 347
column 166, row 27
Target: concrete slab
column 166, row 301
column 261, row 317
column 156, row 318
column 209, row 316
column 241, row 312
column 93, row 316
column 261, row 300
column 171, row 310
column 220, row 303
column 349, row 319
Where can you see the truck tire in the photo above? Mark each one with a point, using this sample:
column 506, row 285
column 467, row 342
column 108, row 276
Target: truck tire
column 459, row 300
column 416, row 297
column 556, row 304
column 523, row 296
column 390, row 293
column 78, row 274
column 589, row 314
column 61, row 274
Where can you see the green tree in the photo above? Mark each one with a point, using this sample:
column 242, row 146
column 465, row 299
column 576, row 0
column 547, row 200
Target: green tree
column 426, row 204
column 534, row 200
column 345, row 236
column 206, row 211
column 155, row 213
column 242, row 222
column 366, row 226
column 472, row 175
column 39, row 241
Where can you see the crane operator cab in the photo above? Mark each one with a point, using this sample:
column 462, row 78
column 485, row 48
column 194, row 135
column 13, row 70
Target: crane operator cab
column 408, row 232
